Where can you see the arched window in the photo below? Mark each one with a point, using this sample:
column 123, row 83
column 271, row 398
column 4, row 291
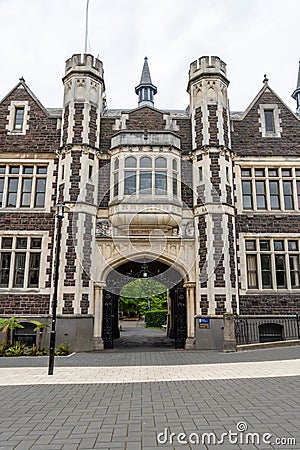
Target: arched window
column 130, row 176
column 145, row 175
column 146, row 163
column 116, row 167
column 160, row 163
column 174, row 177
column 145, row 186
column 160, row 176
column 116, row 164
column 130, row 162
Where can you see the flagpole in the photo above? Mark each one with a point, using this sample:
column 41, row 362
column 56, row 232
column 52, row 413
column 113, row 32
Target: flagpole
column 86, row 26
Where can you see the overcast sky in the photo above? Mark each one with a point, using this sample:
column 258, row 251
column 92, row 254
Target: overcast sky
column 253, row 37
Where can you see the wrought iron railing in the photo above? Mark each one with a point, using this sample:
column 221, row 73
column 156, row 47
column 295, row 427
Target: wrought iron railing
column 254, row 329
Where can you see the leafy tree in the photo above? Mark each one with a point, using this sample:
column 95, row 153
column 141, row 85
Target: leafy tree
column 140, row 294
column 8, row 326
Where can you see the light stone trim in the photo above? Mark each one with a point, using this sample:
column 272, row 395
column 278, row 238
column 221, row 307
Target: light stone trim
column 14, row 104
column 44, row 264
column 276, row 117
column 241, row 254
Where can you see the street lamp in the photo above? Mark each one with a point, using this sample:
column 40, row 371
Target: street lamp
column 59, row 208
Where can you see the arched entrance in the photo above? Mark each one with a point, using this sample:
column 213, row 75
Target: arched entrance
column 168, row 276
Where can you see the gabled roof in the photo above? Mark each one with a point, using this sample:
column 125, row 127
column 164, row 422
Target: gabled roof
column 265, row 88
column 23, row 85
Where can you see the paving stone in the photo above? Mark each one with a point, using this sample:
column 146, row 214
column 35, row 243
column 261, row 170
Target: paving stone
column 129, row 415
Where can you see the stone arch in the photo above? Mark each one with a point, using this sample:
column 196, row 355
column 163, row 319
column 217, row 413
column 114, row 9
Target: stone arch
column 167, row 260
column 119, row 274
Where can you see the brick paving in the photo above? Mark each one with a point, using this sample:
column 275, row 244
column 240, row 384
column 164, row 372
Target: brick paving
column 129, row 416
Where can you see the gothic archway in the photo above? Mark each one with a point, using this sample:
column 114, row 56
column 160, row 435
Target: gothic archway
column 157, row 270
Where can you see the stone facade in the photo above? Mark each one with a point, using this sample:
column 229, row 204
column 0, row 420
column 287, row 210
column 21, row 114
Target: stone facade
column 213, row 176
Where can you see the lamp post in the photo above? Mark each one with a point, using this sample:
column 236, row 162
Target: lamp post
column 60, row 209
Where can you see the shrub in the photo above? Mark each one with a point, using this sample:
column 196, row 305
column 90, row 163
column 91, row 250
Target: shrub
column 156, row 318
column 35, row 350
column 62, row 350
column 2, row 348
column 17, row 349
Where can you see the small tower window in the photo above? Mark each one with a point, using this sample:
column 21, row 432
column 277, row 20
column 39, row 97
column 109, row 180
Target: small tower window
column 19, row 119
column 269, row 120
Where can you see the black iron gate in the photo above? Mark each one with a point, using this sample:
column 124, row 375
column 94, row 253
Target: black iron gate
column 110, row 317
column 179, row 307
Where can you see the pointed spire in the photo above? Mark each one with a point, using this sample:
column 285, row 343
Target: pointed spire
column 146, row 78
column 146, row 90
column 298, row 81
column 296, row 93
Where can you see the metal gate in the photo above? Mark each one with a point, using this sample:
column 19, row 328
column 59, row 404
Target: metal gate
column 110, row 317
column 179, row 305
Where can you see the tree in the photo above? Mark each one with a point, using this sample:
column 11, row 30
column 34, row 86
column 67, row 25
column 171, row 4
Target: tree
column 39, row 327
column 138, row 295
column 8, row 326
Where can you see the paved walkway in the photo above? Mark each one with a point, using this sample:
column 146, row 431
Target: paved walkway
column 136, row 400
column 134, row 335
column 142, row 374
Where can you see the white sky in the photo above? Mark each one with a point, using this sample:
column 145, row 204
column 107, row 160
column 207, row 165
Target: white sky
column 253, row 37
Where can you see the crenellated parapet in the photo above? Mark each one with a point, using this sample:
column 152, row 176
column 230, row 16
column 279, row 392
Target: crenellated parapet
column 81, row 64
column 205, row 66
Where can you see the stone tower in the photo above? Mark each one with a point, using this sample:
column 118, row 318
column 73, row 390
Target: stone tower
column 213, row 185
column 78, row 180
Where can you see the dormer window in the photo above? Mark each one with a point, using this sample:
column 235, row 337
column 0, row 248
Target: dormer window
column 269, row 120
column 19, row 119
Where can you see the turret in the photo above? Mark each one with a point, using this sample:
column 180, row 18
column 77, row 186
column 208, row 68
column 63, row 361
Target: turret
column 146, row 90
column 214, row 206
column 207, row 87
column 296, row 93
column 78, row 180
column 83, row 100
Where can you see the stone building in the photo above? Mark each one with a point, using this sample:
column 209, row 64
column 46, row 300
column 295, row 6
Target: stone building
column 204, row 200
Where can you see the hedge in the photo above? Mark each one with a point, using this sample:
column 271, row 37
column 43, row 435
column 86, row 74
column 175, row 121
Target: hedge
column 156, row 318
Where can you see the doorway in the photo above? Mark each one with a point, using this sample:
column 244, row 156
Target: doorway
column 155, row 285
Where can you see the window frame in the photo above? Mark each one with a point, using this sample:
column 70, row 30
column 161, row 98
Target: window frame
column 16, row 105
column 159, row 166
column 11, row 177
column 273, row 254
column 286, row 176
column 15, row 253
column 276, row 132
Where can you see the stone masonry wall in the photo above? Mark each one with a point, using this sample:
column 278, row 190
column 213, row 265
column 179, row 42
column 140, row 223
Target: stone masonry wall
column 247, row 140
column 42, row 135
column 27, row 304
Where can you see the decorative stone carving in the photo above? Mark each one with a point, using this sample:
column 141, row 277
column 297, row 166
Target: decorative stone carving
column 103, row 228
column 188, row 229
